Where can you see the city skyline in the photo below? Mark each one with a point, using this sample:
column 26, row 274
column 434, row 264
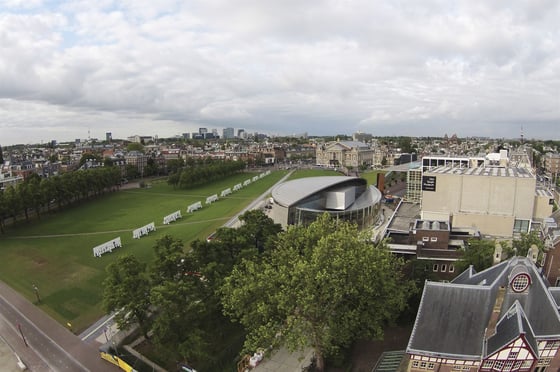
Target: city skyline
column 472, row 68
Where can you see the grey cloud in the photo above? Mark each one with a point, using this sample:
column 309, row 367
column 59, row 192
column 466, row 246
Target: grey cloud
column 323, row 67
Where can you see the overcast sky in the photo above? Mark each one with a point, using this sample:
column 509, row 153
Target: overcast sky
column 284, row 67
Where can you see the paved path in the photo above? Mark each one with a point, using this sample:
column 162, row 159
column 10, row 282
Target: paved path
column 257, row 203
column 48, row 346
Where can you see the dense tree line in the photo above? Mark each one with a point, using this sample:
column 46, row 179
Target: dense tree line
column 175, row 298
column 323, row 285
column 37, row 195
column 198, row 172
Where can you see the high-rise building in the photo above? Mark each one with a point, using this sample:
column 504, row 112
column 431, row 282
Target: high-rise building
column 108, row 136
column 202, row 131
column 241, row 133
column 228, row 133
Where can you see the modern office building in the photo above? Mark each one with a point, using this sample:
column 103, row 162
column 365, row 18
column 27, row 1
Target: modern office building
column 499, row 201
column 498, row 197
column 228, row 133
column 301, row 201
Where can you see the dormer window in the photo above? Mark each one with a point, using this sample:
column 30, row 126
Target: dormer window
column 520, row 282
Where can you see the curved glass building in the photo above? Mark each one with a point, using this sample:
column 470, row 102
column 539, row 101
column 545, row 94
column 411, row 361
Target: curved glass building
column 302, row 200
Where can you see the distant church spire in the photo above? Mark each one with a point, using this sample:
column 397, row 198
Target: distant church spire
column 522, row 134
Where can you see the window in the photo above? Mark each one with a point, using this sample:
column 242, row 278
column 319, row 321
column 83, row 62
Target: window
column 443, row 268
column 520, row 282
column 451, row 268
column 435, row 268
column 425, row 239
column 545, row 362
column 433, row 239
column 527, row 364
column 487, row 364
column 513, row 355
column 552, row 344
column 423, row 365
column 499, row 365
column 508, row 365
column 521, row 226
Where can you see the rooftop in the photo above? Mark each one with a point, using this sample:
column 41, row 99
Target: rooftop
column 484, row 171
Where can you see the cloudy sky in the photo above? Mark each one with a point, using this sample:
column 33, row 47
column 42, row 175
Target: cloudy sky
column 282, row 67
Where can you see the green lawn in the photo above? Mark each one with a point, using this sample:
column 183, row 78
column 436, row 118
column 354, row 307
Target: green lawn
column 55, row 253
column 371, row 176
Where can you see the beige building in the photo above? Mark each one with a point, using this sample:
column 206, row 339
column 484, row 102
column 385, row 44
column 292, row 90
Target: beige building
column 552, row 164
column 498, row 201
column 344, row 154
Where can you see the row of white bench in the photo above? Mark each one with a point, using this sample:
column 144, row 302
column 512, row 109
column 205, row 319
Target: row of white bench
column 144, row 230
column 107, row 247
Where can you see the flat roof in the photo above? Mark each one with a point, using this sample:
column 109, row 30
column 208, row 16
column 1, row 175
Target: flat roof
column 517, row 172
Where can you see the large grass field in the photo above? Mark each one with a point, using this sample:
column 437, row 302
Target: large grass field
column 55, row 252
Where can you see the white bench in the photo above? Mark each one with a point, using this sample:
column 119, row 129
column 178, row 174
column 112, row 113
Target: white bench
column 211, row 199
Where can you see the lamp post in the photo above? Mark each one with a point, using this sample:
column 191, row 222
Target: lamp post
column 22, row 336
column 36, row 290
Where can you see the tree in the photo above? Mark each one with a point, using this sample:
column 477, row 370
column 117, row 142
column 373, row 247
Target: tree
column 135, row 146
column 132, row 171
column 324, row 286
column 169, row 261
column 258, row 227
column 189, row 322
column 479, row 253
column 522, row 245
column 126, row 290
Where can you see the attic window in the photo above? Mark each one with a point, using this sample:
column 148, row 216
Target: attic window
column 520, row 282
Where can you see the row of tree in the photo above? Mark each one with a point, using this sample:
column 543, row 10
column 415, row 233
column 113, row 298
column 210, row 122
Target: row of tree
column 322, row 286
column 36, row 194
column 199, row 173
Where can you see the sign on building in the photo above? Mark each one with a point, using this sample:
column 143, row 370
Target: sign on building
column 428, row 183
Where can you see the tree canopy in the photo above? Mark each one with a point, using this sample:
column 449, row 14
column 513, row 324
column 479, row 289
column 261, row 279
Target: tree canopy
column 522, row 245
column 126, row 289
column 479, row 253
column 324, row 286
